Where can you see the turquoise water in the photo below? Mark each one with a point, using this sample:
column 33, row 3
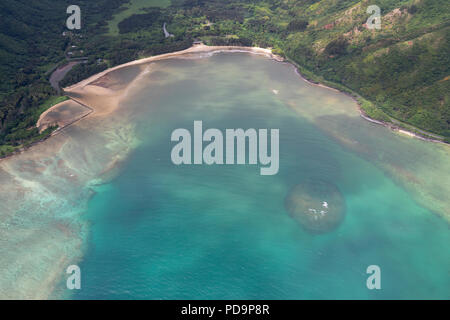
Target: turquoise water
column 160, row 231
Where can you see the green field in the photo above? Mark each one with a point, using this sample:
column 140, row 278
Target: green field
column 50, row 102
column 134, row 7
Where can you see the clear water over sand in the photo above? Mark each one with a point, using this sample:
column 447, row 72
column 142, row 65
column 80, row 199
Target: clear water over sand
column 154, row 230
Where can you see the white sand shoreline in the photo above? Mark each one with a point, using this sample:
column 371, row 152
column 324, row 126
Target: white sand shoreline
column 253, row 50
column 103, row 100
column 194, row 49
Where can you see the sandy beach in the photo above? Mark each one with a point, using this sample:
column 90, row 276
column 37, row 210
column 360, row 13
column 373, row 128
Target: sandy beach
column 101, row 86
column 101, row 93
column 104, row 86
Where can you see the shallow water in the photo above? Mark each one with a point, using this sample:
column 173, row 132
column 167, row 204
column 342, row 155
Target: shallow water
column 160, row 231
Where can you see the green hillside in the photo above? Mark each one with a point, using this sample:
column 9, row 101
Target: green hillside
column 131, row 8
column 400, row 72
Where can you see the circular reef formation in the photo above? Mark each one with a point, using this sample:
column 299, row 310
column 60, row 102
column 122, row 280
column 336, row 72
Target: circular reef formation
column 317, row 205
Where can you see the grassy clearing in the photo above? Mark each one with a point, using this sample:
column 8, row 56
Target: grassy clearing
column 50, row 102
column 133, row 7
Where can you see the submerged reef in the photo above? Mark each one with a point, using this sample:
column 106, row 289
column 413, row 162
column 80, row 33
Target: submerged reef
column 317, row 205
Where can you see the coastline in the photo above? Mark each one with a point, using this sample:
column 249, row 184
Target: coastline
column 354, row 96
column 97, row 88
column 196, row 49
column 71, row 119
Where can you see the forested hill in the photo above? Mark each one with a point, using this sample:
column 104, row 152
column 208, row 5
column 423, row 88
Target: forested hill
column 401, row 71
column 31, row 46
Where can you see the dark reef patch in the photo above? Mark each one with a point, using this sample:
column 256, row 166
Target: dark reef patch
column 317, row 205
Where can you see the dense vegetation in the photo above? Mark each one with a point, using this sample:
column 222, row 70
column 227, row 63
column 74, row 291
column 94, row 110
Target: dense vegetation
column 31, row 46
column 400, row 72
